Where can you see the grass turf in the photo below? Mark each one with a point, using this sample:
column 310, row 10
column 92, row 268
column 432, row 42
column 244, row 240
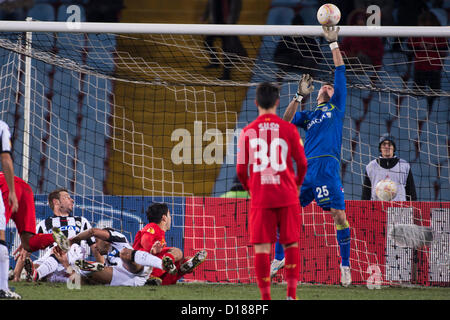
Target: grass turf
column 197, row 291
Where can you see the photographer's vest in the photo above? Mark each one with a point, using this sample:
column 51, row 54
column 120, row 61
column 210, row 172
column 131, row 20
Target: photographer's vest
column 398, row 174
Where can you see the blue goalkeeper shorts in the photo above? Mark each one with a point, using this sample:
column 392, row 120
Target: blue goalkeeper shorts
column 323, row 183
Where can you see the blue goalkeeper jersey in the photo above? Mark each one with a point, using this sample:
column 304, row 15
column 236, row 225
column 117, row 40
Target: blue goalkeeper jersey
column 323, row 125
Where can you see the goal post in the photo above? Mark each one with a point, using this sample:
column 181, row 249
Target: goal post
column 123, row 115
column 219, row 29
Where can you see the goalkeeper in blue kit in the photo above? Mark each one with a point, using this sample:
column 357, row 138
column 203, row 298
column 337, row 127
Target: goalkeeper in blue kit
column 323, row 141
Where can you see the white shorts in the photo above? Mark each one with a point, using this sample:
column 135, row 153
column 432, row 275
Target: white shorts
column 58, row 277
column 76, row 252
column 123, row 277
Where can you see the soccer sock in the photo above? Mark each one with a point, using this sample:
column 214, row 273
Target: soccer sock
column 76, row 252
column 48, row 266
column 146, row 259
column 40, row 241
column 262, row 270
column 4, row 265
column 279, row 251
column 343, row 238
column 292, row 267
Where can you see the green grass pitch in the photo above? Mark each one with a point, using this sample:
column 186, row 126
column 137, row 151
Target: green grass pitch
column 207, row 291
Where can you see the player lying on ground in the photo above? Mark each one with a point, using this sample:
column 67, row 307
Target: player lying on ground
column 121, row 266
column 147, row 239
column 323, row 141
column 47, row 266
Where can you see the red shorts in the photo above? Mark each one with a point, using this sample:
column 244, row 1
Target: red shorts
column 25, row 217
column 264, row 222
column 167, row 278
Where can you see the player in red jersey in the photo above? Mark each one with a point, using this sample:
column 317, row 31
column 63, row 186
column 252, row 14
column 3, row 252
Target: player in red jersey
column 151, row 239
column 17, row 203
column 266, row 148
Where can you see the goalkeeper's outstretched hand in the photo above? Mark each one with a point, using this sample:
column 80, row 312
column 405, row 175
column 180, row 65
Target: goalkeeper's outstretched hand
column 331, row 33
column 305, row 86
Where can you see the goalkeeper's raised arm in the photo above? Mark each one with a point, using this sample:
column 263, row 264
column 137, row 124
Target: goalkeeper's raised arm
column 305, row 87
column 339, row 94
column 331, row 35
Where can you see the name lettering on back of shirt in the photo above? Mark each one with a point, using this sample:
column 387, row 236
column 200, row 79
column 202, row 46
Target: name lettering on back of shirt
column 268, row 126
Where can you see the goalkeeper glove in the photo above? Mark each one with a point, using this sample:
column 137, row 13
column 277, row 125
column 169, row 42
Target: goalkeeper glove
column 305, row 87
column 331, row 35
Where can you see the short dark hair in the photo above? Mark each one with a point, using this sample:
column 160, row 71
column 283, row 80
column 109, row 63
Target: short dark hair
column 55, row 195
column 156, row 211
column 267, row 95
column 328, row 83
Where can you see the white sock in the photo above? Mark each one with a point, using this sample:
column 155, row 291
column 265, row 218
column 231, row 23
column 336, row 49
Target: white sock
column 4, row 267
column 57, row 277
column 146, row 259
column 48, row 266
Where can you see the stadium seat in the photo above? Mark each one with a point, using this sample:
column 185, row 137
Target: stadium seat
column 280, row 16
column 75, row 1
column 309, row 15
column 45, row 1
column 424, row 177
column 395, row 64
column 276, row 16
column 8, row 59
column 285, row 2
column 102, row 41
column 39, row 76
column 66, row 82
column 100, row 48
column 67, row 115
column 42, row 12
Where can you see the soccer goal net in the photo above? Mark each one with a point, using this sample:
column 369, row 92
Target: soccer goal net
column 124, row 115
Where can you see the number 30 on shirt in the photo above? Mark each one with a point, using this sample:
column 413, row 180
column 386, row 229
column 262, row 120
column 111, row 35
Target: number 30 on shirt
column 277, row 160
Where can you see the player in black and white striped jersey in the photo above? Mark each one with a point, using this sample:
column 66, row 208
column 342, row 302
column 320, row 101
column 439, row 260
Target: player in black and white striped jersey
column 62, row 205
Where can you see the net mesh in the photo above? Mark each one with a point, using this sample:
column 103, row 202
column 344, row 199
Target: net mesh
column 124, row 120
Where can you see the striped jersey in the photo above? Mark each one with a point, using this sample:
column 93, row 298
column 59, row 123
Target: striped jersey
column 323, row 125
column 118, row 242
column 70, row 226
column 5, row 137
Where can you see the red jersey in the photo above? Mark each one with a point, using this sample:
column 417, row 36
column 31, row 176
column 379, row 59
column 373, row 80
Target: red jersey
column 147, row 236
column 266, row 147
column 25, row 217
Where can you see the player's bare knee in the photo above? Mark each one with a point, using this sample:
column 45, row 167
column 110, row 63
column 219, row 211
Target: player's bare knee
column 339, row 216
column 176, row 253
column 126, row 254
